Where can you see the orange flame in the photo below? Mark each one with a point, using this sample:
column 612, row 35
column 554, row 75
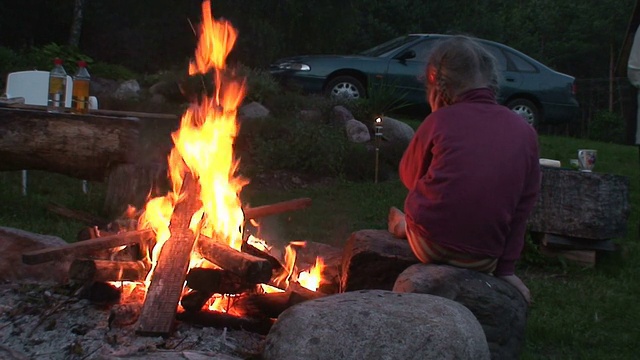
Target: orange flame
column 311, row 279
column 203, row 146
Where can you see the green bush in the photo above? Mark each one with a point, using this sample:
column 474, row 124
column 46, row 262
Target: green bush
column 112, row 71
column 290, row 144
column 8, row 61
column 261, row 86
column 41, row 58
column 607, row 126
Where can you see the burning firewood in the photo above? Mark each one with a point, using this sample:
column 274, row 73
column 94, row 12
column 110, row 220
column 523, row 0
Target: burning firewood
column 273, row 304
column 218, row 319
column 195, row 300
column 164, row 292
column 83, row 248
column 218, row 281
column 242, row 264
column 105, row 270
column 276, row 266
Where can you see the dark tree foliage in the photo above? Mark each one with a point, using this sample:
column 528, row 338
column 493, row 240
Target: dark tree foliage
column 575, row 37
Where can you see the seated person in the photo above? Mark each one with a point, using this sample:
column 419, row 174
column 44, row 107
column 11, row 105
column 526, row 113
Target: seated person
column 472, row 169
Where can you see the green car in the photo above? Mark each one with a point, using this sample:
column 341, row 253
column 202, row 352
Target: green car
column 528, row 87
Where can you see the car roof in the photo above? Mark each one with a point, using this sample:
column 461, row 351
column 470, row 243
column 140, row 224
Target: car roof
column 504, row 46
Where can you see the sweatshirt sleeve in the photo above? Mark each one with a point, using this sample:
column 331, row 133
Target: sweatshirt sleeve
column 415, row 161
column 515, row 240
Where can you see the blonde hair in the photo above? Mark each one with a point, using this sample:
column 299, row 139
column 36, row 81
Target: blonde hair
column 461, row 64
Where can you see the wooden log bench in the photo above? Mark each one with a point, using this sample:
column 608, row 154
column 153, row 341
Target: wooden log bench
column 579, row 213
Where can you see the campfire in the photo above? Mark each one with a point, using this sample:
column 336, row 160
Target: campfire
column 189, row 257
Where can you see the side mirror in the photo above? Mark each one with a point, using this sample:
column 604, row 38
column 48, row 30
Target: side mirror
column 406, row 55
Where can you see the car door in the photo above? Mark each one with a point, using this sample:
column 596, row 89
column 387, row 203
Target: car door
column 406, row 71
column 511, row 79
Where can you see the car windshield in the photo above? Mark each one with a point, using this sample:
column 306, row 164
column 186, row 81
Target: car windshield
column 385, row 48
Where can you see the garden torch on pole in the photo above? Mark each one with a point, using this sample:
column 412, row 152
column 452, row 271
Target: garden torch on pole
column 378, row 140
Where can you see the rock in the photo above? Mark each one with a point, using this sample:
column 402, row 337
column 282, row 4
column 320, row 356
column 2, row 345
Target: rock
column 376, row 324
column 15, row 242
column 340, row 115
column 357, row 132
column 129, row 89
column 498, row 306
column 102, row 88
column 373, row 259
column 253, row 110
column 396, row 131
column 331, row 258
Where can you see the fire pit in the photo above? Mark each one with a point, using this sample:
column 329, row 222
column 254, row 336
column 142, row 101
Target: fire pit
column 188, row 257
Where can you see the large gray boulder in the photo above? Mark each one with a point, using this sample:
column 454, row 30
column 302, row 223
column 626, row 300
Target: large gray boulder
column 357, row 132
column 15, row 242
column 376, row 324
column 340, row 115
column 373, row 259
column 396, row 132
column 253, row 110
column 498, row 306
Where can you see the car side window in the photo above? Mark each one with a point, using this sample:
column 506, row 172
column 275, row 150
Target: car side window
column 501, row 60
column 422, row 50
column 521, row 64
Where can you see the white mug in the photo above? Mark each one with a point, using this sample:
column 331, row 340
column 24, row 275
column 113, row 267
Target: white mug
column 587, row 159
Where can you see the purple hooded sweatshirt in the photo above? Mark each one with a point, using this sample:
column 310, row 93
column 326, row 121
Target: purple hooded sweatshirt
column 473, row 174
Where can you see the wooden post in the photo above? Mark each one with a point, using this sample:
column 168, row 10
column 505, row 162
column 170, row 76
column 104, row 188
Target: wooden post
column 160, row 306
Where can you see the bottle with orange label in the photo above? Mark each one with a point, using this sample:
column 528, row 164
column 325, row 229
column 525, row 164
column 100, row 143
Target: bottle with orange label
column 81, row 81
column 57, row 87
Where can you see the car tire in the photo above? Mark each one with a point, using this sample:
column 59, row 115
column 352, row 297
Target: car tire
column 345, row 87
column 527, row 109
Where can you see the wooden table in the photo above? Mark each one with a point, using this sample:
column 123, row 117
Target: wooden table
column 102, row 146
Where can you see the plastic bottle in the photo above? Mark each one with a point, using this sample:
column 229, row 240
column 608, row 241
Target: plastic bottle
column 57, row 87
column 81, row 81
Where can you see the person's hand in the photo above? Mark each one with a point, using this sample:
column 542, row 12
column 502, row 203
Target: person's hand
column 518, row 284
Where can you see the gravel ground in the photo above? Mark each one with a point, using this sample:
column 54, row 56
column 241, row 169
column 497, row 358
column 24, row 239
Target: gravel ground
column 40, row 321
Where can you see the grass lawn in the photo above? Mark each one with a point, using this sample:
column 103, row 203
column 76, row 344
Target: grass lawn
column 577, row 313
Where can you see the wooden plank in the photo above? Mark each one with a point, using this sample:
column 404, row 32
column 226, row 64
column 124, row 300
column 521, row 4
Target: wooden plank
column 16, row 104
column 582, row 205
column 586, row 258
column 577, row 243
column 277, row 208
column 160, row 306
column 86, row 247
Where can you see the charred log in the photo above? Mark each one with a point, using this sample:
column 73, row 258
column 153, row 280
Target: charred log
column 218, row 281
column 195, row 300
column 223, row 320
column 84, row 270
column 244, row 265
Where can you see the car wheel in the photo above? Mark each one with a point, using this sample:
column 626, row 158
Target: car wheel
column 345, row 87
column 527, row 109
